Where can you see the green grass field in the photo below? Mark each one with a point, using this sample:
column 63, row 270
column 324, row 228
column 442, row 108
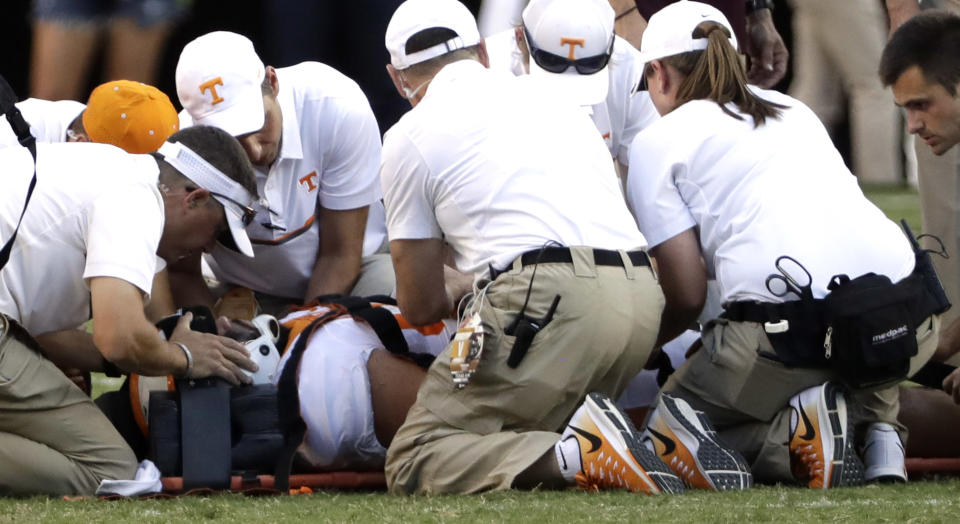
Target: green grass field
column 927, row 500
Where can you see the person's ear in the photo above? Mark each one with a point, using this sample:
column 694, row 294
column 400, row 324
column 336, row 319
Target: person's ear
column 397, row 81
column 271, row 73
column 482, row 53
column 522, row 46
column 77, row 136
column 197, row 198
column 660, row 80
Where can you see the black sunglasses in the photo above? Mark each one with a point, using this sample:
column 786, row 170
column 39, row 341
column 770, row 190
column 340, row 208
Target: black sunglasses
column 247, row 212
column 558, row 64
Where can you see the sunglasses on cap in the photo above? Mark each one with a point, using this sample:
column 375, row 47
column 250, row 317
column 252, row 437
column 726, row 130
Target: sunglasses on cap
column 247, row 213
column 557, row 64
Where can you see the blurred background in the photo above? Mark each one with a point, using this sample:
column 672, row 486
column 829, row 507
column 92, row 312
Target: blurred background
column 61, row 61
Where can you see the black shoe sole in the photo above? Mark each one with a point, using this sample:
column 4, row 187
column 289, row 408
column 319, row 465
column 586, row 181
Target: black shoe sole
column 847, row 466
column 717, row 461
column 666, row 480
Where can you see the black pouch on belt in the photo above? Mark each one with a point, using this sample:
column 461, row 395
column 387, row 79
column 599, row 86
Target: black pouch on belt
column 870, row 328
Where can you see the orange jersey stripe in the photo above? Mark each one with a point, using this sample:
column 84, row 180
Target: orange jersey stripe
column 433, row 329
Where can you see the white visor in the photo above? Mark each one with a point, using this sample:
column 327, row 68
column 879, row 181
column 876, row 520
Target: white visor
column 227, row 191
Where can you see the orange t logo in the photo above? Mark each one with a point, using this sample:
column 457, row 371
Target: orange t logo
column 308, row 180
column 212, row 86
column 572, row 42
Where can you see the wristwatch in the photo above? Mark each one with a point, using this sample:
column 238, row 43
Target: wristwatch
column 755, row 5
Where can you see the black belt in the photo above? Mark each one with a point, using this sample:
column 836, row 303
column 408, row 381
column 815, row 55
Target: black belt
column 562, row 255
column 749, row 311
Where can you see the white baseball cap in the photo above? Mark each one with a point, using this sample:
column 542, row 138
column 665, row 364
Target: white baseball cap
column 218, row 82
column 414, row 16
column 670, row 30
column 571, row 29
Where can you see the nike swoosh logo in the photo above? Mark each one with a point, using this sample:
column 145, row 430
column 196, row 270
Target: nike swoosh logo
column 594, row 440
column 668, row 444
column 809, row 433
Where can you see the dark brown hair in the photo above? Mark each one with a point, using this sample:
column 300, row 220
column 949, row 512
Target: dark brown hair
column 221, row 150
column 931, row 41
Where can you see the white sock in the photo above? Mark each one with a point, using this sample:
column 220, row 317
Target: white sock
column 568, row 457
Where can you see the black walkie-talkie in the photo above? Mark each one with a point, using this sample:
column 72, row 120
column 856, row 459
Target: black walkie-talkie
column 525, row 328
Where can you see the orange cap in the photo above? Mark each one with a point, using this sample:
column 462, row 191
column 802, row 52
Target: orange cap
column 130, row 115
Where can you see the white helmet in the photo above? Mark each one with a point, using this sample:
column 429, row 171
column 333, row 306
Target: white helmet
column 263, row 348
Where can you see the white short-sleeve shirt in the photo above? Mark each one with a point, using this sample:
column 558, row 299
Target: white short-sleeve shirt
column 623, row 114
column 329, row 156
column 758, row 193
column 95, row 212
column 496, row 167
column 48, row 120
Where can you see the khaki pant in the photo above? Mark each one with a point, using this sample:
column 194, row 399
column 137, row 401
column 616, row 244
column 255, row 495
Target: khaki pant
column 939, row 179
column 53, row 439
column 837, row 46
column 745, row 393
column 479, row 438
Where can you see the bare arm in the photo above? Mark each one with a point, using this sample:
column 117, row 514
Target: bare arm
column 900, row 11
column 629, row 24
column 683, row 277
column 187, row 286
column 161, row 298
column 768, row 55
column 74, row 348
column 421, row 288
column 341, row 250
column 126, row 338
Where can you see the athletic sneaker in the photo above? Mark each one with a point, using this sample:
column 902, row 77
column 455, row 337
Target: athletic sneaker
column 883, row 454
column 611, row 454
column 821, row 442
column 685, row 440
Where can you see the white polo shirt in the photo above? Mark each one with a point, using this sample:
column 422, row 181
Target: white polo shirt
column 95, row 212
column 48, row 120
column 495, row 166
column 329, row 155
column 757, row 194
column 621, row 116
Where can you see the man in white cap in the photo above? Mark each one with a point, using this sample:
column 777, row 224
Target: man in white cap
column 87, row 247
column 493, row 166
column 315, row 146
column 571, row 43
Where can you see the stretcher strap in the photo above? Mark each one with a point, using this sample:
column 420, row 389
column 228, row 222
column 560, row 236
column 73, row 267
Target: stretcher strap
column 205, row 433
column 288, row 401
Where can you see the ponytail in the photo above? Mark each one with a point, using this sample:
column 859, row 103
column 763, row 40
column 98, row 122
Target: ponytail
column 717, row 73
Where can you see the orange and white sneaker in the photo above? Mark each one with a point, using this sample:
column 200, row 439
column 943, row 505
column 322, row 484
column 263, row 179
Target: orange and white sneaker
column 611, row 454
column 685, row 440
column 821, row 440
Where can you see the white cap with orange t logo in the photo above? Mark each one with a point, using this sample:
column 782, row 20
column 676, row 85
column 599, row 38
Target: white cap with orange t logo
column 218, row 82
column 570, row 42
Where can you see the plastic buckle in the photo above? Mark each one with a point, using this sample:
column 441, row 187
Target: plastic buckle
column 781, row 326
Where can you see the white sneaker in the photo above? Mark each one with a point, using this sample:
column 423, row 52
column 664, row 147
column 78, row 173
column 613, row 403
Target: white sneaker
column 883, row 454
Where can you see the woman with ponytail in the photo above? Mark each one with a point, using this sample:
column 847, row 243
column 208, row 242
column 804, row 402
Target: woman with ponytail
column 742, row 186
